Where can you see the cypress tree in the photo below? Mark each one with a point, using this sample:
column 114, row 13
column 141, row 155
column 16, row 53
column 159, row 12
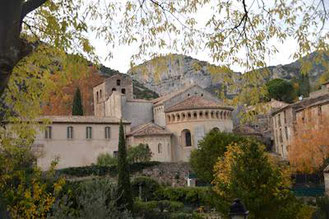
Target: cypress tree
column 77, row 109
column 124, row 189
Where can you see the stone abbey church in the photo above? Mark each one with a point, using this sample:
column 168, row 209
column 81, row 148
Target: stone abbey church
column 171, row 125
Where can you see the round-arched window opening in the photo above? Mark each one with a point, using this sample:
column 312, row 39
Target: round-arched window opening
column 178, row 117
column 118, row 82
column 114, row 89
column 183, row 116
column 189, row 115
column 168, row 117
column 186, row 138
column 159, row 148
column 123, row 91
column 195, row 115
column 212, row 115
column 216, row 129
column 201, row 114
column 217, row 115
column 206, row 114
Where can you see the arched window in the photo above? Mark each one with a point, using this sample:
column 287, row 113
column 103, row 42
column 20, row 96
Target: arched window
column 100, row 94
column 97, row 97
column 123, row 91
column 186, row 138
column 118, row 82
column 159, row 148
column 215, row 129
column 114, row 89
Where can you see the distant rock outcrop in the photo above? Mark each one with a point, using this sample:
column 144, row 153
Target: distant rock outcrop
column 168, row 73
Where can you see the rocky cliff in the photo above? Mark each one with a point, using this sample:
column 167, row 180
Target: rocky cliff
column 168, row 73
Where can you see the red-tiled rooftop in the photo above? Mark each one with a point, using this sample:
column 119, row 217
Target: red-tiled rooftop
column 149, row 129
column 197, row 102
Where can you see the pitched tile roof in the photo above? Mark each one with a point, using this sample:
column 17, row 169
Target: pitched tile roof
column 197, row 102
column 149, row 129
column 83, row 119
column 163, row 99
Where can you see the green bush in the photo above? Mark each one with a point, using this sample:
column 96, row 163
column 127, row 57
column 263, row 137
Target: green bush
column 106, row 160
column 139, row 153
column 102, row 170
column 322, row 208
column 188, row 195
column 88, row 199
column 148, row 187
column 163, row 205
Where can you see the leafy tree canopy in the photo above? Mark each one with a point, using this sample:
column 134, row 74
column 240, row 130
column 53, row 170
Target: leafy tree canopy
column 210, row 149
column 280, row 89
column 247, row 172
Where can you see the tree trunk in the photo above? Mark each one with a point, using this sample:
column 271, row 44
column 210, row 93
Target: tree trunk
column 12, row 47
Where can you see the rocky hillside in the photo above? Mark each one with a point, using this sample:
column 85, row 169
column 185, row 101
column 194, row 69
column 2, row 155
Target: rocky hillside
column 168, row 73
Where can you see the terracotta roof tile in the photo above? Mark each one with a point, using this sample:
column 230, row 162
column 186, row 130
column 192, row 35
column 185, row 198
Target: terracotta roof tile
column 162, row 99
column 83, row 119
column 149, row 129
column 197, row 102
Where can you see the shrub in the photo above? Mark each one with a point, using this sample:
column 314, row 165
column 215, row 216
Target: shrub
column 139, row 153
column 163, row 205
column 191, row 196
column 322, row 208
column 102, row 170
column 149, row 187
column 106, row 160
column 89, row 199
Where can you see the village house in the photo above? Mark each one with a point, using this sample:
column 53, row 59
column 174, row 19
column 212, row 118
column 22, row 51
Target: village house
column 286, row 119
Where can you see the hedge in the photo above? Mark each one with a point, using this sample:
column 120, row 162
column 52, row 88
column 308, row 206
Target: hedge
column 170, row 206
column 188, row 195
column 103, row 170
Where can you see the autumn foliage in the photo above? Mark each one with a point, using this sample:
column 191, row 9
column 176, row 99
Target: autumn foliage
column 60, row 101
column 310, row 145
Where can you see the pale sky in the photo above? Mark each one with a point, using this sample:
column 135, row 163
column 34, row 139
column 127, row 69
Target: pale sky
column 122, row 53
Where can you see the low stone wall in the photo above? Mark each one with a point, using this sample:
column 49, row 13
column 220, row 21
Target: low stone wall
column 171, row 174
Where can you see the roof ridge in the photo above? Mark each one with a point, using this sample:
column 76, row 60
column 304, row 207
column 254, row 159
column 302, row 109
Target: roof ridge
column 175, row 93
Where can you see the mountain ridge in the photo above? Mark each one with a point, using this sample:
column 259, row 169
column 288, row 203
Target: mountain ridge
column 168, row 73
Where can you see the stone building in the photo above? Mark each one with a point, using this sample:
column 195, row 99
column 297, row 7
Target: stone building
column 285, row 119
column 77, row 140
column 170, row 125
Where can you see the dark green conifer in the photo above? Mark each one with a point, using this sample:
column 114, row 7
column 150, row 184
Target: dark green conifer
column 77, row 109
column 124, row 189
